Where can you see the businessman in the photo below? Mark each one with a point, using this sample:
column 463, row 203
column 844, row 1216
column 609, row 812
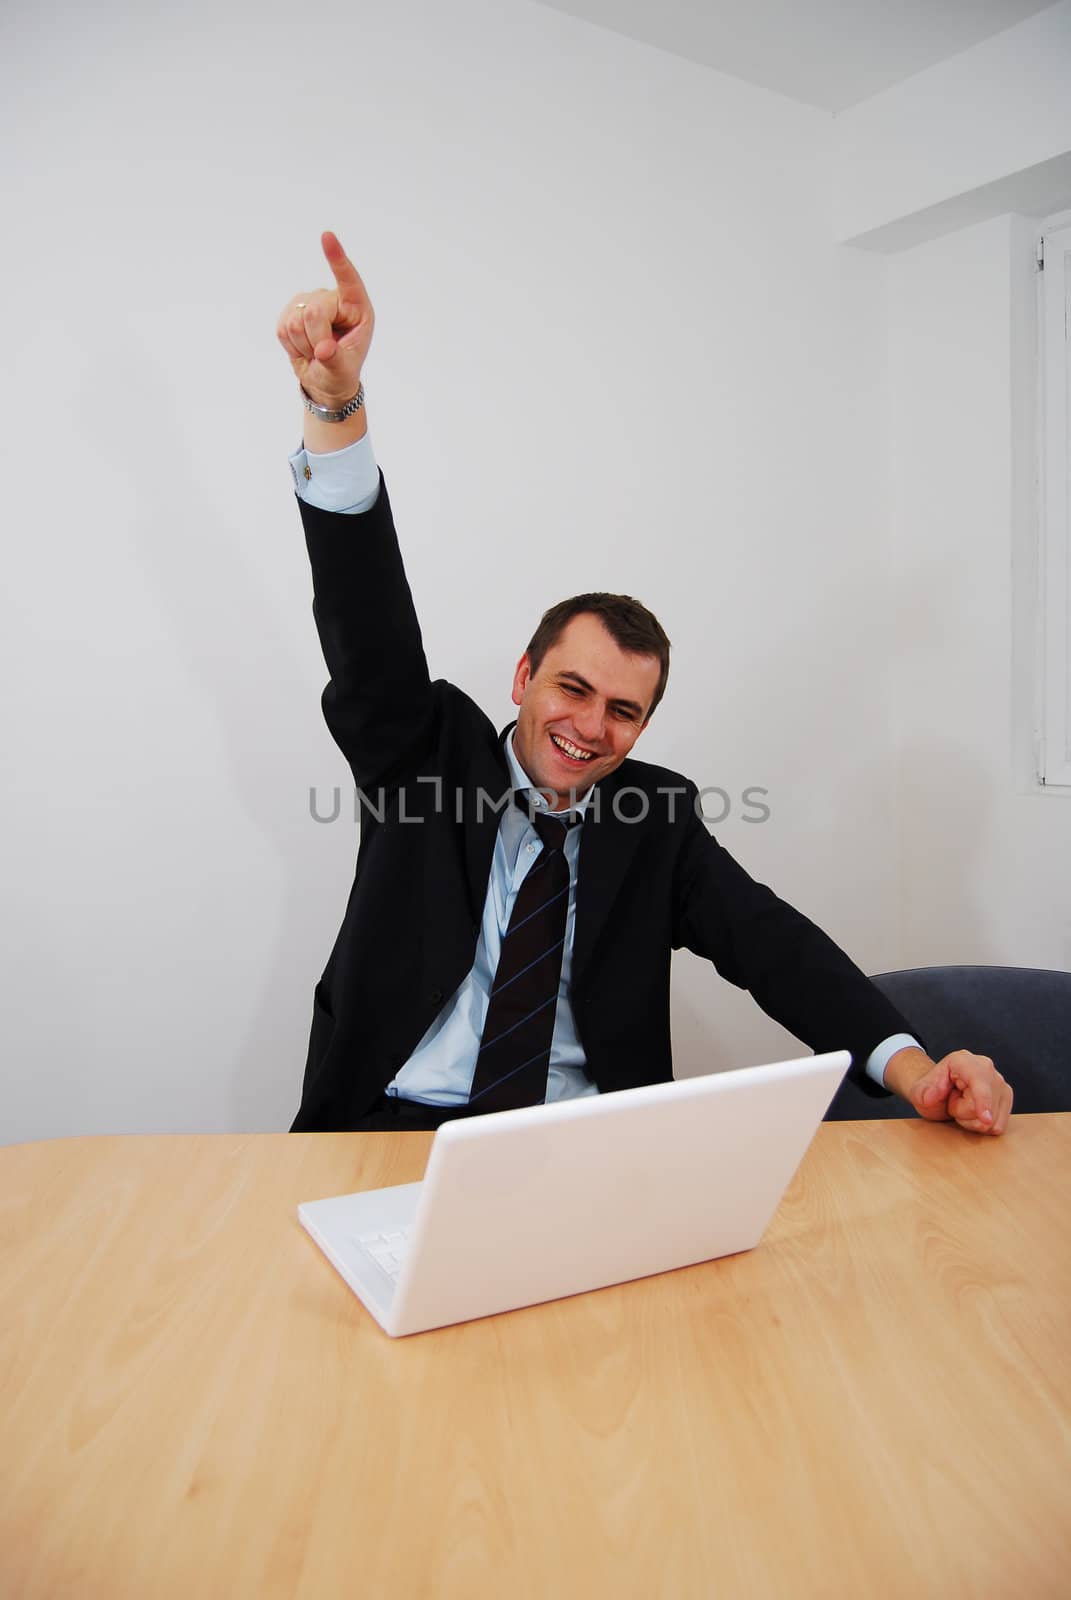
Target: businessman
column 519, row 894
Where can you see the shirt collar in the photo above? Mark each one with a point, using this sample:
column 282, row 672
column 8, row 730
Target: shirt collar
column 520, row 780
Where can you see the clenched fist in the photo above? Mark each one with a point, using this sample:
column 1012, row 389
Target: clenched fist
column 961, row 1087
column 326, row 332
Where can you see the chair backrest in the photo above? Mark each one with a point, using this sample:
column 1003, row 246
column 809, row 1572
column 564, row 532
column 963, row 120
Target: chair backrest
column 1020, row 1016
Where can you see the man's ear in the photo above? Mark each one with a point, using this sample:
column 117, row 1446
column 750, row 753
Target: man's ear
column 520, row 678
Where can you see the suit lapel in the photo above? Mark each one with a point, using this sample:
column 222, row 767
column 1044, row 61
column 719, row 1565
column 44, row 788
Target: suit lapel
column 481, row 824
column 607, row 846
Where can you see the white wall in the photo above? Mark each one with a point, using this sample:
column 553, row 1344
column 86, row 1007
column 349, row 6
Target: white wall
column 986, row 858
column 612, row 329
column 988, row 129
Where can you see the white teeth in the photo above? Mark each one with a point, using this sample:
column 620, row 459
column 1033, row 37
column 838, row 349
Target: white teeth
column 572, row 749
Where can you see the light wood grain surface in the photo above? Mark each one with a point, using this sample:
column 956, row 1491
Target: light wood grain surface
column 875, row 1402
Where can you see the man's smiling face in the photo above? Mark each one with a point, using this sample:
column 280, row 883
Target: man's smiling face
column 583, row 710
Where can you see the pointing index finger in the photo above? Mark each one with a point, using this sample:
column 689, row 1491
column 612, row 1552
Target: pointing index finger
column 346, row 275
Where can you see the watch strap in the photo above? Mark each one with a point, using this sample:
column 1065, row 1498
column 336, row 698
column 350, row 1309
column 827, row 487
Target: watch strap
column 329, row 414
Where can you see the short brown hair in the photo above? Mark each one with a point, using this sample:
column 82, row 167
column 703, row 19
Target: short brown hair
column 629, row 624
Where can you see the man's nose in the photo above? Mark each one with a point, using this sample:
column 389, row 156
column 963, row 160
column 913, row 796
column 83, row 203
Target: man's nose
column 591, row 723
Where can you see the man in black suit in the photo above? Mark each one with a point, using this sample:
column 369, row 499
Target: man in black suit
column 431, row 1005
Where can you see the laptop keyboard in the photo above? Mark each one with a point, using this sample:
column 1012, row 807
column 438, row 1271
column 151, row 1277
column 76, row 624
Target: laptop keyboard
column 387, row 1249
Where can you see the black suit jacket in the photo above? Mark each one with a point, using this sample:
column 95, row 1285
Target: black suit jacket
column 650, row 879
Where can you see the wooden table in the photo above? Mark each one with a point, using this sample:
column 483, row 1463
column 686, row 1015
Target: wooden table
column 876, row 1401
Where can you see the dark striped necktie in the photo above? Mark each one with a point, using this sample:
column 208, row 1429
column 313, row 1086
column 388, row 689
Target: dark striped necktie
column 511, row 1068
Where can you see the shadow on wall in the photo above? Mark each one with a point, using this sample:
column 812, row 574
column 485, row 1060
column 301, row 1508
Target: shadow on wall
column 815, row 686
column 717, row 1027
column 945, row 792
column 940, row 813
column 225, row 631
column 947, row 807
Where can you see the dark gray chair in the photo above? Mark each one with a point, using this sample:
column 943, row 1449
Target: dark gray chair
column 1020, row 1016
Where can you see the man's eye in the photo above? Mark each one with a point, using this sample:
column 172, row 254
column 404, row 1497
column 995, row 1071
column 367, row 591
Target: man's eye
column 571, row 688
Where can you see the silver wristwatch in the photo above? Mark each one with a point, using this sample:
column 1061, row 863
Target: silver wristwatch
column 326, row 414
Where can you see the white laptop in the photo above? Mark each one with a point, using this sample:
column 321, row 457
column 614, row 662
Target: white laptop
column 518, row 1207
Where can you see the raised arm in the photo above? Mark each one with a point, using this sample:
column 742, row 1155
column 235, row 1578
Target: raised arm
column 378, row 703
column 807, row 983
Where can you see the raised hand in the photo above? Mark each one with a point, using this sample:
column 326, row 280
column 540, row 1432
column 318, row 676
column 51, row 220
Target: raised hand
column 326, row 332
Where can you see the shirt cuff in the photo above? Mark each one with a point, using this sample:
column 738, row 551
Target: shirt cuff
column 883, row 1053
column 337, row 480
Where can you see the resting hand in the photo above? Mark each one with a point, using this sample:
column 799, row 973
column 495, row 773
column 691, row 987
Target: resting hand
column 326, row 332
column 961, row 1087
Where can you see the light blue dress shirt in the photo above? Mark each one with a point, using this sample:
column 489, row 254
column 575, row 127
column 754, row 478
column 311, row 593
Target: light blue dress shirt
column 439, row 1072
column 441, row 1067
